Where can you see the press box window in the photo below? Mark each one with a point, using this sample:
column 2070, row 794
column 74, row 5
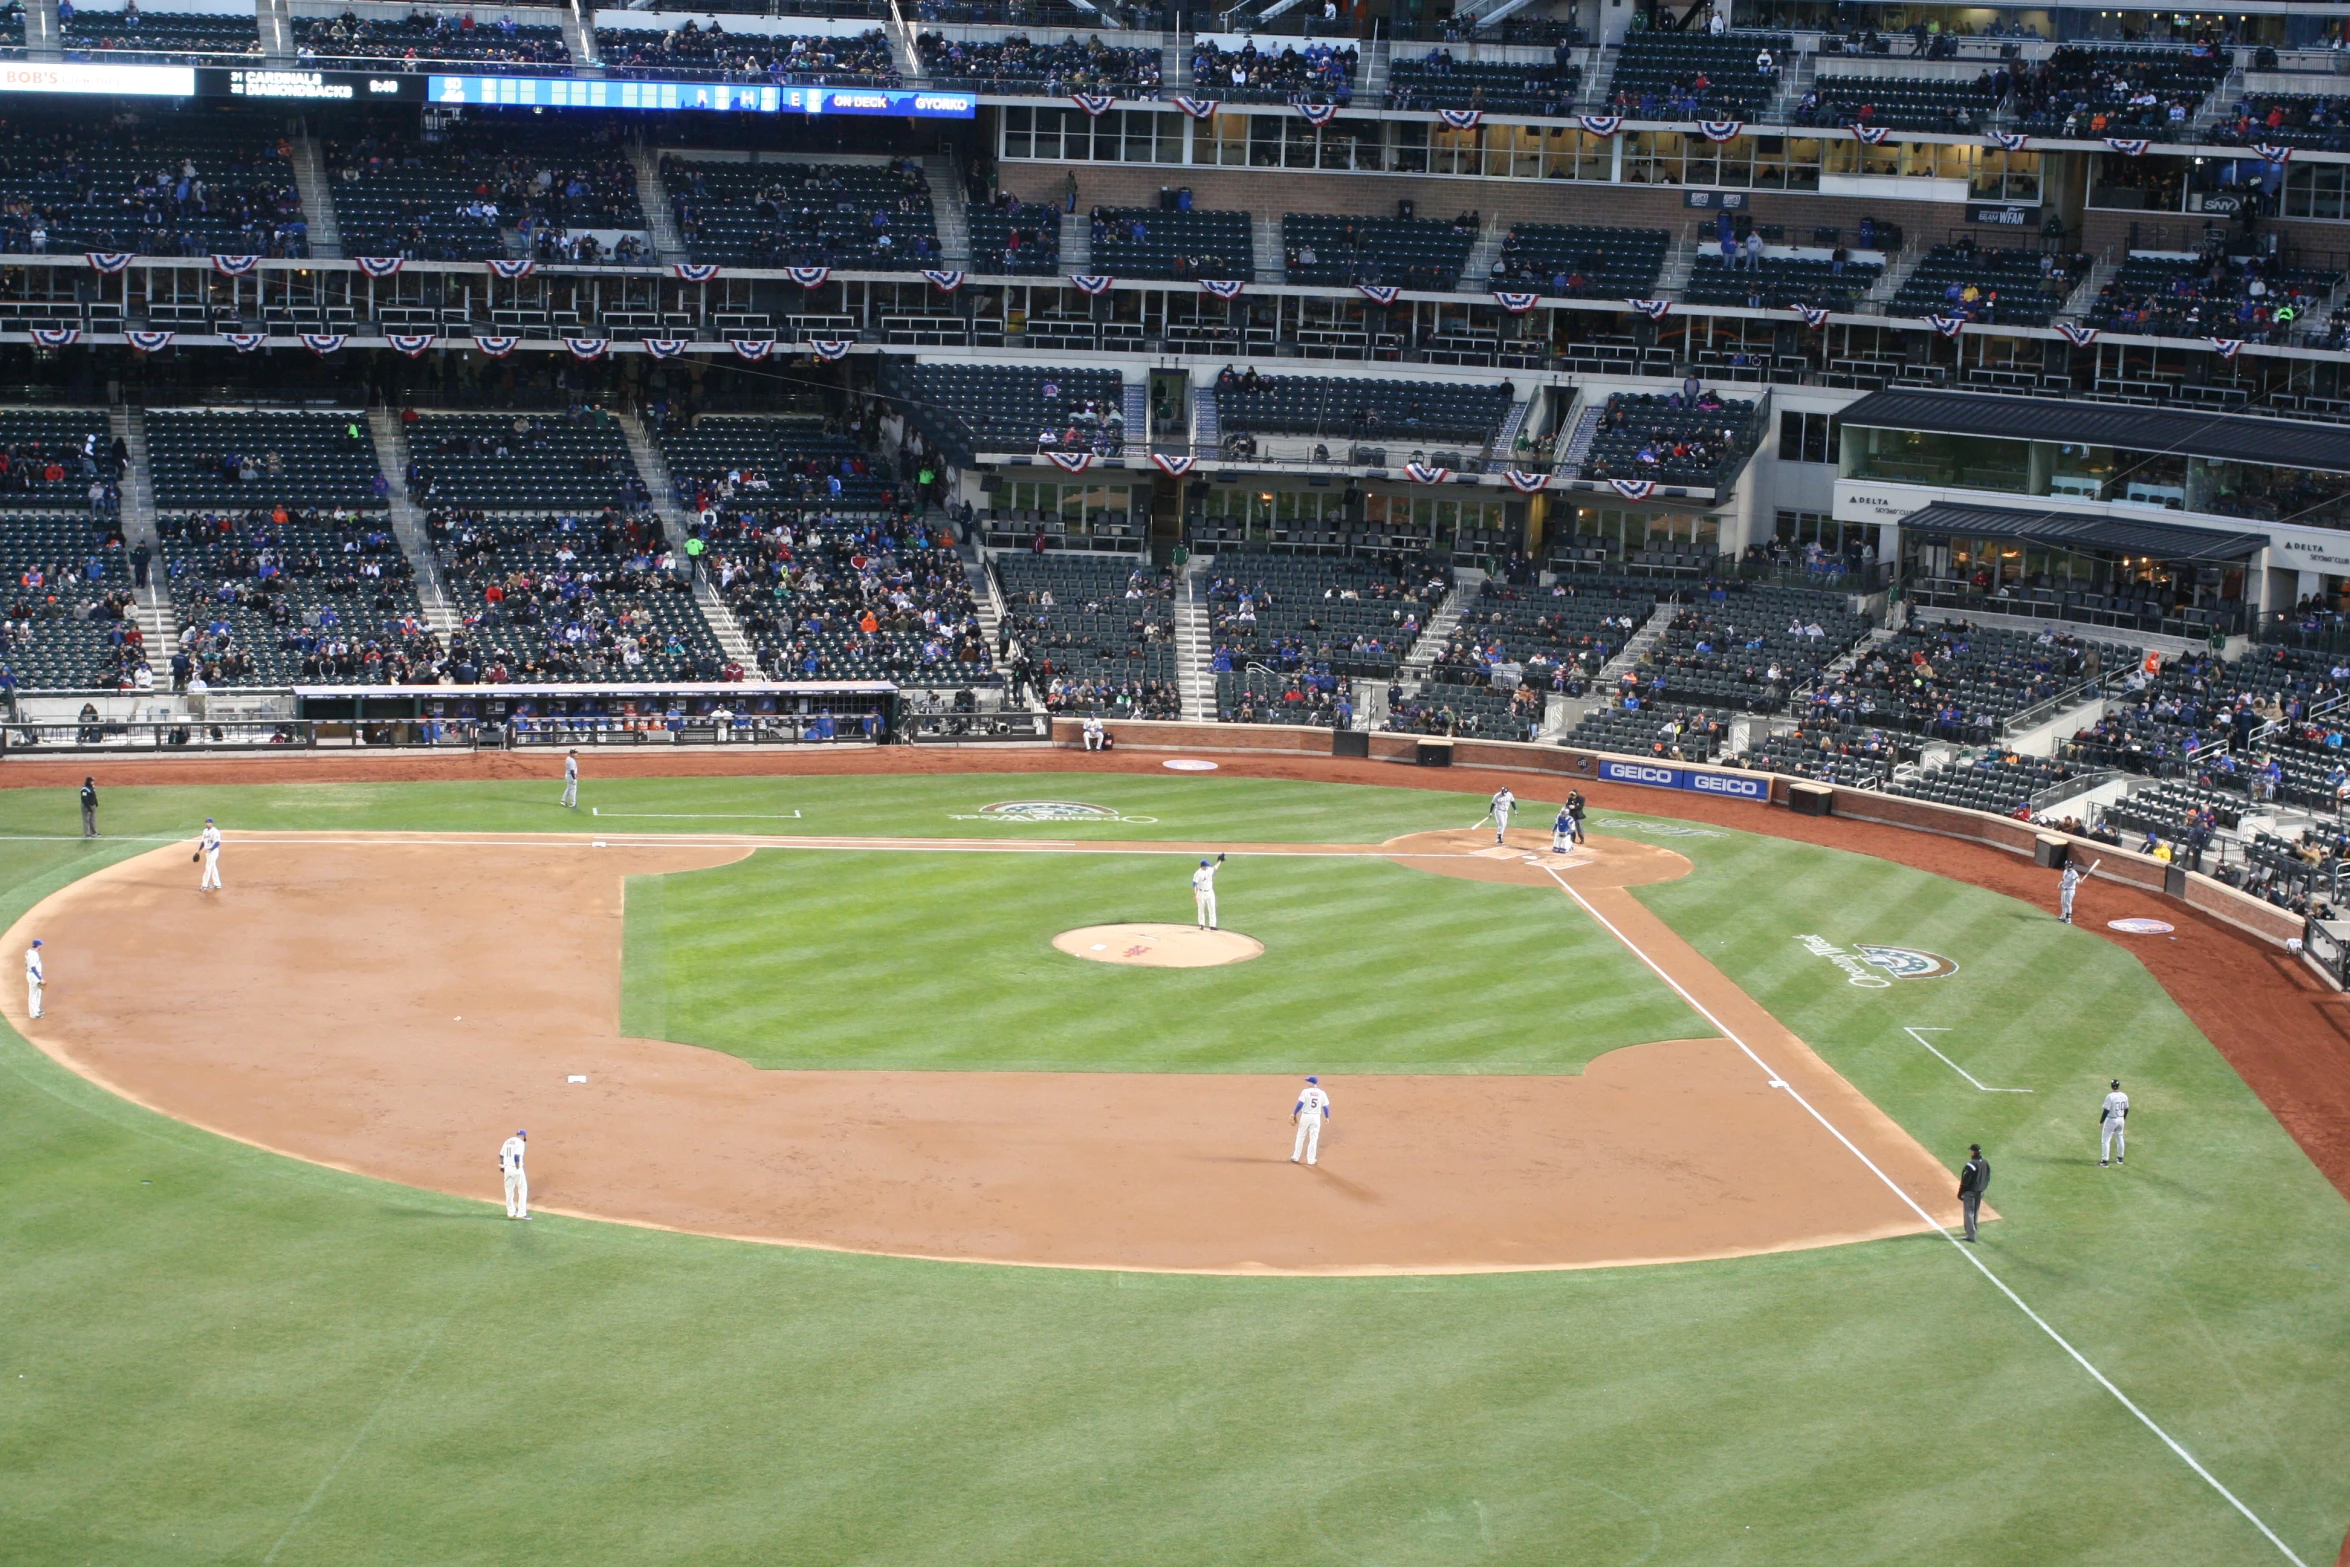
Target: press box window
column 1805, row 437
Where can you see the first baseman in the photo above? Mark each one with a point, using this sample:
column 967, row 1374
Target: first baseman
column 510, row 1154
column 571, row 779
column 1504, row 802
column 1203, row 892
column 208, row 850
column 35, row 976
column 1313, row 1108
column 2113, row 1126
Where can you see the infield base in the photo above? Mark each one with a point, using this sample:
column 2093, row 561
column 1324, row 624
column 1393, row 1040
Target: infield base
column 1158, row 946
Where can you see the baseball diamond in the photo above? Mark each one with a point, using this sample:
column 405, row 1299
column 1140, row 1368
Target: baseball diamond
column 1628, row 1228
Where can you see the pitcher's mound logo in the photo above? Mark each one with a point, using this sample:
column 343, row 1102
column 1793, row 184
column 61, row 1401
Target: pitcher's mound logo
column 1049, row 811
column 1906, row 962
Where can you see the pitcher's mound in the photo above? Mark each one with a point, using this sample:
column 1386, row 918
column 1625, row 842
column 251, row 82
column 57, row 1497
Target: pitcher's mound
column 1158, row 946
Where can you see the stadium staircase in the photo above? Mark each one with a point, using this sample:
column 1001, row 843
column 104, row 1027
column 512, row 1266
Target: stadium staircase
column 1412, row 673
column 1578, row 444
column 391, row 455
column 1371, row 71
column 653, row 468
column 1477, row 271
column 158, row 622
column 1207, row 426
column 275, row 19
column 1076, row 243
column 318, row 202
column 578, row 37
column 1175, row 66
column 1193, row 679
column 947, row 210
column 653, row 196
column 41, row 32
column 1272, row 263
column 1498, row 453
column 1795, row 77
column 1680, row 262
column 1136, row 406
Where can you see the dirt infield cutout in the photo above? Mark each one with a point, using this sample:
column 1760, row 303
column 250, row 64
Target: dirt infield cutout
column 1159, row 946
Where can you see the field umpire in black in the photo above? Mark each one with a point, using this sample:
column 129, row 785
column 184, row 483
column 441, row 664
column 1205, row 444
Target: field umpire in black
column 89, row 807
column 1973, row 1180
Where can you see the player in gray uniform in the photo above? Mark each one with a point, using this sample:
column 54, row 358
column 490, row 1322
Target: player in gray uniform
column 571, row 779
column 1504, row 802
column 2073, row 877
column 2113, row 1125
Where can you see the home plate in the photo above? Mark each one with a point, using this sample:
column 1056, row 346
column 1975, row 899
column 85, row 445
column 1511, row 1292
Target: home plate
column 1158, row 946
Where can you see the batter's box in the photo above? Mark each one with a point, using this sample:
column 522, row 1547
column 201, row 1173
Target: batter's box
column 1498, row 852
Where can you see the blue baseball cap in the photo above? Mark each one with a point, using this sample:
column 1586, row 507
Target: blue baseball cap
column 1313, row 1079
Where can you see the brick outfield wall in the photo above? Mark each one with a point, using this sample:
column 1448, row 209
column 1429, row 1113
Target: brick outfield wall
column 2202, row 893
column 1496, row 200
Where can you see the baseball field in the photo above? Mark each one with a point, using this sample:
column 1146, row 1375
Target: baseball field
column 874, row 1227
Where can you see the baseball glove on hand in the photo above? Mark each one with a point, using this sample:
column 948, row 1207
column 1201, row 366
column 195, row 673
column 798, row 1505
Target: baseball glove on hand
column 193, row 858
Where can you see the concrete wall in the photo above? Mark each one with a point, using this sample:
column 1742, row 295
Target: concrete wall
column 2201, row 893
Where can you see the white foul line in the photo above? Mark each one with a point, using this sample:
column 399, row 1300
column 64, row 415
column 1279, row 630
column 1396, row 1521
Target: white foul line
column 698, row 816
column 1919, row 1034
column 1960, row 1247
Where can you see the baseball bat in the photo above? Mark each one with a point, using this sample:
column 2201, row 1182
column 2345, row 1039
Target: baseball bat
column 1480, row 821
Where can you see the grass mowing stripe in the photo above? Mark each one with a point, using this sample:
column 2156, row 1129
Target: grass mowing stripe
column 1894, row 1187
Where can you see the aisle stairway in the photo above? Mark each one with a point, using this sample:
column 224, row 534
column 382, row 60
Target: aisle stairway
column 1193, row 678
column 653, row 468
column 391, row 455
column 158, row 621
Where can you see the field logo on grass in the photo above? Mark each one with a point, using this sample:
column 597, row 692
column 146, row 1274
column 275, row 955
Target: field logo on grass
column 1049, row 811
column 1856, row 970
column 1906, row 962
column 1659, row 829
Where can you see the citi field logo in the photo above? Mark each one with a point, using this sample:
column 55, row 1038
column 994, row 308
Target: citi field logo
column 1906, row 962
column 1049, row 811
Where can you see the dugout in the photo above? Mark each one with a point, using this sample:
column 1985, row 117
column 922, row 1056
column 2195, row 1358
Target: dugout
column 518, row 716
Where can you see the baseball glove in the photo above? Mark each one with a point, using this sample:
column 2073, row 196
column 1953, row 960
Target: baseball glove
column 193, row 858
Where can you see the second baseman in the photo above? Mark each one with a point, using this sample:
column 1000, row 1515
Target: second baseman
column 1313, row 1108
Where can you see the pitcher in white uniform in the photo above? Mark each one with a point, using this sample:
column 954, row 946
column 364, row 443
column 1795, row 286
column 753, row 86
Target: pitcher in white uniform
column 2113, row 1126
column 1203, row 892
column 510, row 1154
column 1313, row 1108
column 35, row 977
column 208, row 846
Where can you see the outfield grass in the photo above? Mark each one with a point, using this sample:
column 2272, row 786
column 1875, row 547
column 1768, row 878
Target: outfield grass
column 1368, row 967
column 210, row 1354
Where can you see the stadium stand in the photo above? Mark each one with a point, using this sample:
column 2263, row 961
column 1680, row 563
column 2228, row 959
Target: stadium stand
column 1668, row 731
column 1319, row 617
column 1940, row 104
column 1645, row 436
column 1958, row 682
column 860, row 61
column 2240, row 297
column 1855, row 759
column 2000, row 782
column 1016, row 238
column 872, row 216
column 216, row 460
column 2020, row 287
column 1585, row 263
column 48, row 457
column 1779, row 282
column 68, row 627
column 521, row 462
column 189, row 185
column 1558, row 637
column 1091, row 635
column 1019, row 65
column 1319, row 73
column 2117, row 90
column 1748, row 650
column 447, row 198
column 2285, row 120
column 315, row 598
column 1150, row 242
column 769, row 463
column 1661, row 75
column 1338, row 250
column 200, row 37
column 998, row 408
column 823, row 601
column 1361, row 409
column 1437, row 81
column 499, row 46
column 567, row 598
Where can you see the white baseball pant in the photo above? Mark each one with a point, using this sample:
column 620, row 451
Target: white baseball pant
column 32, row 997
column 2113, row 1139
column 2066, row 900
column 571, row 792
column 517, row 1194
column 1309, row 1138
column 1205, row 902
column 211, row 871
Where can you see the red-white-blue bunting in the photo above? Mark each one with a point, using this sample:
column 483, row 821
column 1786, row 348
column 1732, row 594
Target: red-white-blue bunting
column 1601, row 124
column 808, row 277
column 2008, row 141
column 1654, row 309
column 753, row 348
column 413, row 344
column 109, row 261
column 1197, row 108
column 1379, row 293
column 234, row 266
column 588, row 347
column 2229, row 347
column 1462, row 119
column 1869, row 135
column 1516, row 304
column 497, row 347
column 1720, row 130
column 945, row 281
column 245, row 342
column 694, row 271
column 380, row 266
column 1176, row 467
column 1315, row 113
column 1071, row 462
column 57, row 336
column 1948, row 326
column 1423, row 473
column 665, row 347
column 2078, row 336
column 1634, row 489
column 1091, row 282
column 324, row 343
column 2129, row 146
column 2270, row 153
column 1526, row 483
column 1095, row 104
column 830, row 349
column 1223, row 288
column 1814, row 316
column 513, row 270
column 149, row 342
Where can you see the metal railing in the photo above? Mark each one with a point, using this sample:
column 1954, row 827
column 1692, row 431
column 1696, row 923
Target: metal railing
column 2040, row 712
column 956, row 728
